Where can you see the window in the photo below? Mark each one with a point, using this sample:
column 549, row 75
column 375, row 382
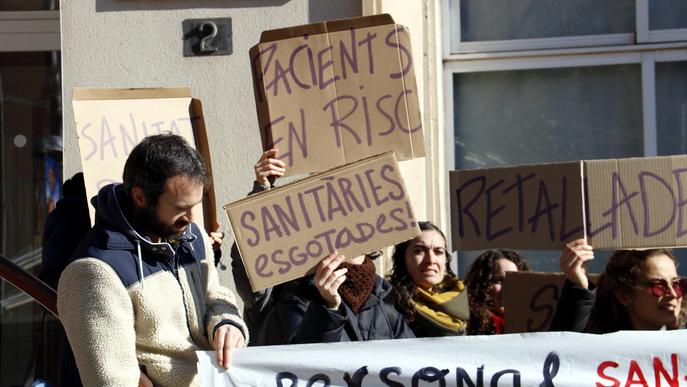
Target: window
column 543, row 81
column 30, row 178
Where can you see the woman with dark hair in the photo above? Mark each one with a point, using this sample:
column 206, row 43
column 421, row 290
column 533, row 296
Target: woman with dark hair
column 638, row 290
column 485, row 283
column 428, row 294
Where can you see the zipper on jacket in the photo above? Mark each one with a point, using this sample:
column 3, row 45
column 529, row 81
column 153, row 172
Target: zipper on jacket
column 175, row 271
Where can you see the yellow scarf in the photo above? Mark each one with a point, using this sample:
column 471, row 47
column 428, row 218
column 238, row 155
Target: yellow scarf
column 449, row 308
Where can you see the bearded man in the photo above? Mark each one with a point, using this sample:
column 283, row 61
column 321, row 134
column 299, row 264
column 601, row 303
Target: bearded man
column 145, row 294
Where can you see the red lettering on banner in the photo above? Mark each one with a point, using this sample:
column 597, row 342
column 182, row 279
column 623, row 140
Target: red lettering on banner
column 600, row 372
column 635, row 375
column 660, row 370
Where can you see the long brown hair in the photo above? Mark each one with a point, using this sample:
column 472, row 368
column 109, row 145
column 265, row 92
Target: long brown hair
column 609, row 315
column 404, row 287
column 479, row 280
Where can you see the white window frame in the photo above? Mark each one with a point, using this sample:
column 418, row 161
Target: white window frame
column 646, row 35
column 453, row 44
column 23, row 31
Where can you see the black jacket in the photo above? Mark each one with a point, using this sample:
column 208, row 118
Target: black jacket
column 574, row 308
column 300, row 316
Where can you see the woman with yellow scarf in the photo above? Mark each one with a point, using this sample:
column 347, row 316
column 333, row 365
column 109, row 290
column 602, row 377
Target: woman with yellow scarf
column 432, row 299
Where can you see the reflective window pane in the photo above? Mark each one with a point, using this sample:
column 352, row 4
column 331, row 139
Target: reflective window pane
column 671, row 107
column 671, row 118
column 31, row 148
column 30, row 185
column 667, row 14
column 537, row 116
column 483, row 20
column 29, row 5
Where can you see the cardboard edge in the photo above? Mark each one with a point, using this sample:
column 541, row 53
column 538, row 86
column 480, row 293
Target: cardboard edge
column 293, row 32
column 238, row 247
column 296, row 184
column 203, row 147
column 585, row 203
column 261, row 106
column 90, row 94
column 325, row 27
column 359, row 22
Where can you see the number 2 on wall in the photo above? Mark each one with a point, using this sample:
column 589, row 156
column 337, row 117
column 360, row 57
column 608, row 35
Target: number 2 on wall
column 206, row 43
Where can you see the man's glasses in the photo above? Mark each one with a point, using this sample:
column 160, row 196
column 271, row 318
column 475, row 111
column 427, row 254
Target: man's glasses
column 660, row 288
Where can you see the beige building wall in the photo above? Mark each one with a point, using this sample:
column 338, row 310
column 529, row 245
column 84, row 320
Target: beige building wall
column 138, row 43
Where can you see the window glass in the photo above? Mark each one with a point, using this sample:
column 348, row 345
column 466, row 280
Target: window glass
column 671, row 107
column 536, row 116
column 667, row 14
column 671, row 118
column 546, row 115
column 29, row 5
column 483, row 20
column 30, row 185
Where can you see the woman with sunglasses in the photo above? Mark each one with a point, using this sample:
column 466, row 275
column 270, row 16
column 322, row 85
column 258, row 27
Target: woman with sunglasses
column 638, row 290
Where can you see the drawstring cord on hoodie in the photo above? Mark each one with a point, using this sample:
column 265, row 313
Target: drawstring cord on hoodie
column 140, row 262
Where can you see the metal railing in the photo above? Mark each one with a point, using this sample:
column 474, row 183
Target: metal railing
column 29, row 284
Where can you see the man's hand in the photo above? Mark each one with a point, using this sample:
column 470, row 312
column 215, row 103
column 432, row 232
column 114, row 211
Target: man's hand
column 269, row 166
column 217, row 237
column 574, row 260
column 144, row 381
column 227, row 337
column 328, row 279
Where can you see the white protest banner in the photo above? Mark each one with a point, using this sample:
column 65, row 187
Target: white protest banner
column 533, row 359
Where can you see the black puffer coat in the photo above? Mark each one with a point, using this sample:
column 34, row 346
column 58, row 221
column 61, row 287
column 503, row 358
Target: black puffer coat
column 299, row 316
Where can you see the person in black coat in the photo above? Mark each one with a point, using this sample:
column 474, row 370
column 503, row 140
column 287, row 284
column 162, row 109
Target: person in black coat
column 343, row 301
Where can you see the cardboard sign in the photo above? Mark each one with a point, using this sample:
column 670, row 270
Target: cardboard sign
column 560, row 359
column 530, row 300
column 332, row 93
column 111, row 122
column 525, row 207
column 637, row 202
column 354, row 209
column 628, row 203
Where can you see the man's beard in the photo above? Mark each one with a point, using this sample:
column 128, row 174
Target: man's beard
column 153, row 225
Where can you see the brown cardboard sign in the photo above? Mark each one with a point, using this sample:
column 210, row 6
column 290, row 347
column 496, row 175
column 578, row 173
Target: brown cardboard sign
column 537, row 207
column 353, row 209
column 628, row 203
column 111, row 122
column 332, row 93
column 637, row 202
column 530, row 300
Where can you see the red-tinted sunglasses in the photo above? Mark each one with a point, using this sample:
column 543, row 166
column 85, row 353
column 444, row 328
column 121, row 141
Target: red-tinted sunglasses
column 659, row 288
